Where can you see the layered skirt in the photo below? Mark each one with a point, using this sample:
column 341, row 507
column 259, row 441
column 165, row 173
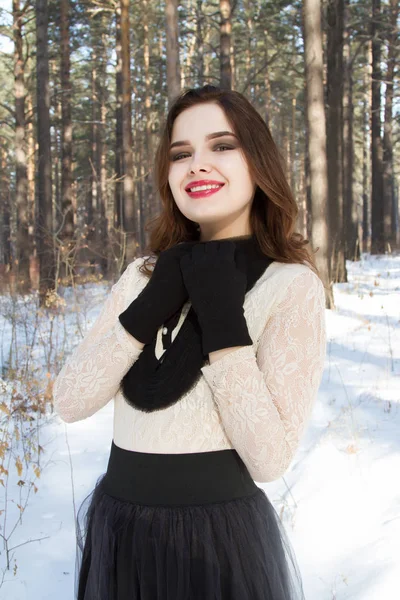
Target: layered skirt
column 182, row 527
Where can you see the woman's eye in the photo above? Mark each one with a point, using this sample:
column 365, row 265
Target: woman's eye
column 178, row 156
column 223, row 146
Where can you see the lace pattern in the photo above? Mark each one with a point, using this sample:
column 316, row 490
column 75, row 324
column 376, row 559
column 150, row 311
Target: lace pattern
column 256, row 399
column 92, row 374
column 266, row 398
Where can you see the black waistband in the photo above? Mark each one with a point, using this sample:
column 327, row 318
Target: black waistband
column 177, row 479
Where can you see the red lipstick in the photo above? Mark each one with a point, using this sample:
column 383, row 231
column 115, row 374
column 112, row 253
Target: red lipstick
column 203, row 193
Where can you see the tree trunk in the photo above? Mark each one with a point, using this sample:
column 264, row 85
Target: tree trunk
column 250, row 56
column 20, row 264
column 31, row 175
column 366, row 199
column 172, row 41
column 225, row 44
column 317, row 138
column 305, row 146
column 147, row 198
column 67, row 231
column 91, row 196
column 302, row 196
column 390, row 216
column 5, row 209
column 207, row 58
column 130, row 224
column 377, row 205
column 334, row 129
column 44, row 231
column 267, row 84
column 55, row 133
column 292, row 148
column 101, row 166
column 188, row 71
column 351, row 220
column 119, row 189
column 199, row 43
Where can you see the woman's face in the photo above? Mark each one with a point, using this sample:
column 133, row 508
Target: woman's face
column 221, row 213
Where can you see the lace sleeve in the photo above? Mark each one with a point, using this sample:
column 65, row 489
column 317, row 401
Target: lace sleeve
column 265, row 400
column 92, row 374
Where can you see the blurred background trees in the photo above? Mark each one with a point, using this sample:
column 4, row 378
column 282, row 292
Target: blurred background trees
column 86, row 86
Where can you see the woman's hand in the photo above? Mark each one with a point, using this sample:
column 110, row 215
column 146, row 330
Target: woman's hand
column 164, row 294
column 216, row 288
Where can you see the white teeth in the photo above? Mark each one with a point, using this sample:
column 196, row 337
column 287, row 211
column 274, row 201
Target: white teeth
column 204, row 187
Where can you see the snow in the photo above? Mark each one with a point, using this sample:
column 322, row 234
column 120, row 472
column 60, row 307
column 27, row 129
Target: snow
column 339, row 500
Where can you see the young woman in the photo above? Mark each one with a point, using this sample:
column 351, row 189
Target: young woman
column 213, row 358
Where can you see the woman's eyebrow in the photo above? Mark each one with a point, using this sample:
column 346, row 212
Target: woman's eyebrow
column 210, row 136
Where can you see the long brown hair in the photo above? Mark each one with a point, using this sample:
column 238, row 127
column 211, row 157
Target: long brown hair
column 274, row 209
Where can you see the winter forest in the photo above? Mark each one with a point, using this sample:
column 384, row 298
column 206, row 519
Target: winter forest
column 85, row 87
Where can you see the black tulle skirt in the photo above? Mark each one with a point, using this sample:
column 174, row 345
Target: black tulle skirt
column 182, row 527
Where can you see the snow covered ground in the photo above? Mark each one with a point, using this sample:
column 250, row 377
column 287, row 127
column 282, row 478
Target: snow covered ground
column 339, row 501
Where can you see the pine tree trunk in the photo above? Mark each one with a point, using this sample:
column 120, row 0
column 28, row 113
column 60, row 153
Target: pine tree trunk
column 119, row 189
column 91, row 196
column 55, row 133
column 377, row 205
column 366, row 239
column 188, row 71
column 66, row 125
column 225, row 44
column 292, row 151
column 390, row 218
column 305, row 146
column 172, row 42
column 334, row 130
column 317, row 137
column 44, row 230
column 130, row 221
column 267, row 85
column 21, row 261
column 31, row 177
column 249, row 53
column 101, row 158
column 200, row 43
column 146, row 199
column 5, row 209
column 352, row 245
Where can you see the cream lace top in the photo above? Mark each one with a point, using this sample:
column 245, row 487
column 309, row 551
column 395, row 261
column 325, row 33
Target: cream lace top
column 256, row 399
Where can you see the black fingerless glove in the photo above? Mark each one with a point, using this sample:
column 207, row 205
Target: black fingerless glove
column 216, row 288
column 164, row 294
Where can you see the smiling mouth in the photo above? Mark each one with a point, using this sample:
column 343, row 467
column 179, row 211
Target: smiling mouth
column 201, row 191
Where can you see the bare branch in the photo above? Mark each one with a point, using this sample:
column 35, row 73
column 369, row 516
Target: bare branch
column 30, row 542
column 9, row 109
